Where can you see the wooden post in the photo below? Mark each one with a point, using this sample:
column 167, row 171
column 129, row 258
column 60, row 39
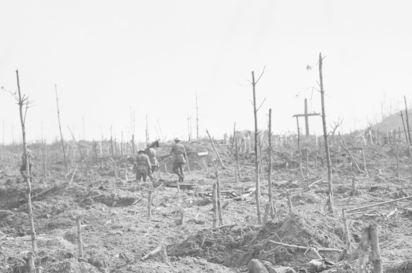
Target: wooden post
column 79, row 236
column 257, row 191
column 22, row 101
column 270, row 165
column 306, row 117
column 325, row 136
column 60, row 130
column 375, row 249
column 407, row 120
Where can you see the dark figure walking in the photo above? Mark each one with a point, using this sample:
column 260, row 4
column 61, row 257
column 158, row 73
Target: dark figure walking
column 179, row 159
column 151, row 153
column 143, row 166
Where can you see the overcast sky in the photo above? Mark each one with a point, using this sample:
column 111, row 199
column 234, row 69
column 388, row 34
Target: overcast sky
column 112, row 58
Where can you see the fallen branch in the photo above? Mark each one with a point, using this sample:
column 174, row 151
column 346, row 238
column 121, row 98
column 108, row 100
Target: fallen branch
column 342, row 143
column 322, row 249
column 161, row 250
column 377, row 204
column 215, row 150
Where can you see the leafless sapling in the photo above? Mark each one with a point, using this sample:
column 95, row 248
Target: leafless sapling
column 60, row 129
column 325, row 136
column 254, row 82
column 23, row 103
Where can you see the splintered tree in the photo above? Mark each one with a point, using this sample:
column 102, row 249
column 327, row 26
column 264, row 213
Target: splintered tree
column 23, row 103
column 325, row 136
column 255, row 111
column 60, row 129
column 270, row 164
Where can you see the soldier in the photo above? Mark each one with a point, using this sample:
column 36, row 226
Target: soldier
column 23, row 167
column 178, row 153
column 143, row 166
column 151, row 153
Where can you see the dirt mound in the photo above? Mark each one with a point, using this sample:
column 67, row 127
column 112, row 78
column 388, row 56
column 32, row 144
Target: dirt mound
column 110, row 199
column 235, row 246
column 71, row 266
column 181, row 265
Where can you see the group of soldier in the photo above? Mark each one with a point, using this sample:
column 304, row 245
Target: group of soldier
column 146, row 162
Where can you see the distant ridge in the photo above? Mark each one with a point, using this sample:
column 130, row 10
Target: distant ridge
column 393, row 122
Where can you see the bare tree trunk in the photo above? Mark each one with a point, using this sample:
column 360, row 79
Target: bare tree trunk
column 299, row 149
column 23, row 102
column 270, row 165
column 325, row 136
column 60, row 129
column 214, row 199
column 257, row 191
column 219, row 206
column 375, row 249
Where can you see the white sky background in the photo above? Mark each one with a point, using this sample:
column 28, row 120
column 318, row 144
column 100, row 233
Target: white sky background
column 108, row 57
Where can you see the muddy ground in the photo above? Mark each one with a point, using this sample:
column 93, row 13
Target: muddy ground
column 117, row 231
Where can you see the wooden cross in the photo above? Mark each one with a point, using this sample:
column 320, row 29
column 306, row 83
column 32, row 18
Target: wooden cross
column 306, row 115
